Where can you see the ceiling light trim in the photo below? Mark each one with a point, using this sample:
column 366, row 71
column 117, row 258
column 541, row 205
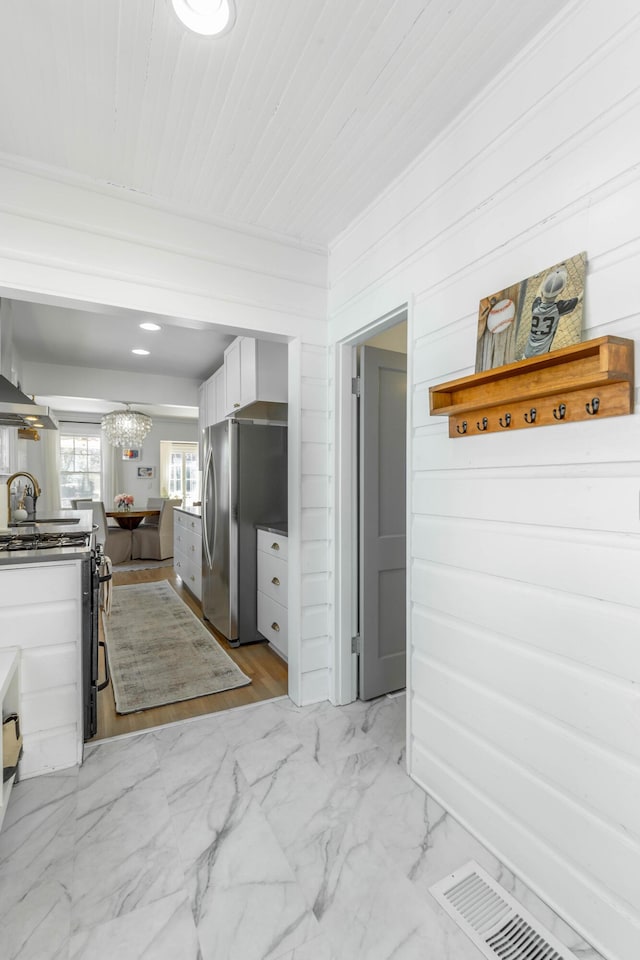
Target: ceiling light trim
column 209, row 18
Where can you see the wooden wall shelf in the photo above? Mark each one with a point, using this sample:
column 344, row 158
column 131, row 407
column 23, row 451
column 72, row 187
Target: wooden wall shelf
column 584, row 382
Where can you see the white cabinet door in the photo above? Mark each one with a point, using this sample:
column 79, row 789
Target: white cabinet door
column 232, row 377
column 210, row 388
column 41, row 612
column 255, row 370
column 10, row 703
column 219, row 391
column 248, row 371
column 202, row 413
column 211, row 400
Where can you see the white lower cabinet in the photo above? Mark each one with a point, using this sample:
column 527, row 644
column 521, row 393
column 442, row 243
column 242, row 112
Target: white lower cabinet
column 10, row 703
column 273, row 590
column 41, row 613
column 187, row 549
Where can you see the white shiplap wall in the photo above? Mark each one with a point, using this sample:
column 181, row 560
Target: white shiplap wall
column 525, row 554
column 308, row 564
column 69, row 243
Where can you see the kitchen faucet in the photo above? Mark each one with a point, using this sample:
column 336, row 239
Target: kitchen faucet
column 36, row 488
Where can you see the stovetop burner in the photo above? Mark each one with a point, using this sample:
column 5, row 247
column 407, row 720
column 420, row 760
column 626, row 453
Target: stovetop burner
column 42, row 541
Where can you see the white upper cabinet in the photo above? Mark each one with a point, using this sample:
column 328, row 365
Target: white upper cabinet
column 212, row 399
column 232, row 375
column 202, row 411
column 219, row 381
column 255, row 370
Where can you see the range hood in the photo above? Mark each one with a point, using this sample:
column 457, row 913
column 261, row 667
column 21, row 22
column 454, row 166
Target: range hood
column 18, row 410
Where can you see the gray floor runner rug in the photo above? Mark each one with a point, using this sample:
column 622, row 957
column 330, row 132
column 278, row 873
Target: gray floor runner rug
column 159, row 652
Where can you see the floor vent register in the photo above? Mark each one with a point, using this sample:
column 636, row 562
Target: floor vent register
column 497, row 924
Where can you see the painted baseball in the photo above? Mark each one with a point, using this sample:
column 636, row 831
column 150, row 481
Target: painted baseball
column 501, row 316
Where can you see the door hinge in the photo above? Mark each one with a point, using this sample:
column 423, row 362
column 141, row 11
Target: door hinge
column 355, row 644
column 355, row 386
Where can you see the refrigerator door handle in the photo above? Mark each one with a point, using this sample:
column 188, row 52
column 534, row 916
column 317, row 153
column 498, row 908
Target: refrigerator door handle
column 215, row 509
column 208, row 552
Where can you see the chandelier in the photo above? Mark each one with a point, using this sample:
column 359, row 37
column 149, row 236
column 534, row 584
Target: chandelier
column 126, row 428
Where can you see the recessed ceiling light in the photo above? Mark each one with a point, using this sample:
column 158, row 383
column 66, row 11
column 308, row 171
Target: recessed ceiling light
column 140, row 352
column 150, row 326
column 207, row 17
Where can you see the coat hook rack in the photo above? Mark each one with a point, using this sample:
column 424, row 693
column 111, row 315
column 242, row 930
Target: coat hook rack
column 567, row 385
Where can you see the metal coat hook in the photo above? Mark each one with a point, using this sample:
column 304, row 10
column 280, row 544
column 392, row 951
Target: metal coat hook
column 485, row 424
column 531, row 416
column 595, row 406
column 464, row 427
column 507, row 420
column 559, row 414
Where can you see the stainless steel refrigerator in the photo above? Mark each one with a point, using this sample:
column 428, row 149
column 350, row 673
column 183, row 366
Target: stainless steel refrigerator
column 244, row 484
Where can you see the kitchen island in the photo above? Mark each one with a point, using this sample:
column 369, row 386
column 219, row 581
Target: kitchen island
column 41, row 613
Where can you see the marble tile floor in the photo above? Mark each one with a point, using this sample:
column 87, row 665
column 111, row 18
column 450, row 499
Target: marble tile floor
column 268, row 832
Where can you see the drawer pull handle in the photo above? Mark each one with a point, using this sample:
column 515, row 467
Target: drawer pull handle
column 275, row 626
column 275, row 581
column 275, row 546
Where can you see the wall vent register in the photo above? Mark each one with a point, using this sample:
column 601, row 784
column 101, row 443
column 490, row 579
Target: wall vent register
column 496, row 923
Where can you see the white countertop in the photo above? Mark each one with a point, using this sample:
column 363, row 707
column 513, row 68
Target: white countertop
column 192, row 511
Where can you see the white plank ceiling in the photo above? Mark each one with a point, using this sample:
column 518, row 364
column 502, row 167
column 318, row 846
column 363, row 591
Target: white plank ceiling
column 293, row 122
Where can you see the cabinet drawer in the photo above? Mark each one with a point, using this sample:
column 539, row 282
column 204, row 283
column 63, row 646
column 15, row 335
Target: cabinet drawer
column 32, row 583
column 192, row 547
column 180, row 562
column 272, row 622
column 187, row 541
column 272, row 577
column 273, row 543
column 193, row 580
column 190, row 572
column 187, row 521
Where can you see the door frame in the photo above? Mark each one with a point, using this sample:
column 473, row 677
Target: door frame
column 345, row 545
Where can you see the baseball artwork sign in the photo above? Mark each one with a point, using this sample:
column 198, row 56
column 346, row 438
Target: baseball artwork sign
column 532, row 317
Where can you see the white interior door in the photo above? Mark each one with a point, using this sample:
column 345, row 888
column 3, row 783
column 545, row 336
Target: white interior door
column 382, row 513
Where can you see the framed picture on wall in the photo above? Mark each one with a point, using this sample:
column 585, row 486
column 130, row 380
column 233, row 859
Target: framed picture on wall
column 532, row 317
column 132, row 454
column 146, row 473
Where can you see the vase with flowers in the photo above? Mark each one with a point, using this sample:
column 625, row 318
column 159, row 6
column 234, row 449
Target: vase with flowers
column 123, row 501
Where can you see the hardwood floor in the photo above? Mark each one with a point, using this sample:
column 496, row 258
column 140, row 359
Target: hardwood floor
column 267, row 671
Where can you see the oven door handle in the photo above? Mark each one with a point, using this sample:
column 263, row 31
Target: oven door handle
column 107, row 675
